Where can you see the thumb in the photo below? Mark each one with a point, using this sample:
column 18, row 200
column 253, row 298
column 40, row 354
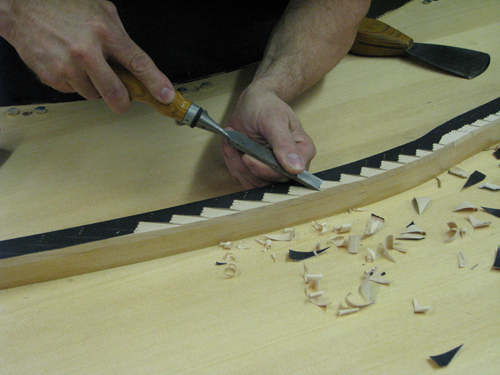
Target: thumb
column 286, row 150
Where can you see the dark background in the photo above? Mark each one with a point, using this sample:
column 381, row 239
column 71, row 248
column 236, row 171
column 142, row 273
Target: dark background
column 187, row 40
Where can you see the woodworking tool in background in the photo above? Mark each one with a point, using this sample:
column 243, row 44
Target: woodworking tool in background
column 188, row 113
column 375, row 38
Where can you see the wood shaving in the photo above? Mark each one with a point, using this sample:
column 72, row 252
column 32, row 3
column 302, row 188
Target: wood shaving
column 243, row 245
column 412, row 228
column 275, row 258
column 462, row 231
column 465, row 206
column 267, row 244
column 455, row 232
column 321, row 227
column 226, row 245
column 370, row 255
column 348, row 302
column 475, row 178
column 489, row 186
column 410, row 236
column 230, row 256
column 374, row 225
column 376, row 277
column 387, row 255
column 339, row 241
column 419, row 309
column 351, row 210
column 391, row 245
column 343, row 312
column 496, row 263
column 444, row 359
column 312, row 291
column 474, row 266
column 287, row 235
column 458, row 172
column 231, row 270
column 308, row 277
column 344, row 228
column 365, row 289
column 353, row 244
column 476, row 223
column 421, row 203
column 462, row 260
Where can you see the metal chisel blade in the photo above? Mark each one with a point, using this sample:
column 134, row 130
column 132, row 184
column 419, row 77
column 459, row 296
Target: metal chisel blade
column 266, row 156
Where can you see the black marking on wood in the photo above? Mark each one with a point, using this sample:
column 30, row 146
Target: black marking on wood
column 126, row 225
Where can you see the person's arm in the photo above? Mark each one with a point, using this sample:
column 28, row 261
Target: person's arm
column 312, row 37
column 67, row 44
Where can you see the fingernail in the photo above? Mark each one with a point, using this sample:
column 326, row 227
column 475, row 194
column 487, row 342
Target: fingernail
column 167, row 95
column 295, row 162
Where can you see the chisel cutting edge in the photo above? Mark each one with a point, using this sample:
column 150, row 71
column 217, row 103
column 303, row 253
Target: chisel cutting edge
column 190, row 114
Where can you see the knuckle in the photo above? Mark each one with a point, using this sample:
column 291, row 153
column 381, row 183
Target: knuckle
column 140, row 62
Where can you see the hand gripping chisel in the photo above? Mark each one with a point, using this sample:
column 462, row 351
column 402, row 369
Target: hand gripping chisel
column 188, row 113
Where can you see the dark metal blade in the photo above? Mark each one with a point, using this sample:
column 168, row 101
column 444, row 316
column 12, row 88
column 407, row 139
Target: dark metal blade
column 460, row 61
column 266, row 156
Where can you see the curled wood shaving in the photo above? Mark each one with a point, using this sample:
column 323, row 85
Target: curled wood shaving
column 454, row 229
column 287, row 235
column 458, row 172
column 312, row 289
column 231, row 270
column 489, row 186
column 267, row 244
column 412, row 228
column 308, row 277
column 410, row 236
column 375, row 276
column 343, row 312
column 321, row 227
column 387, row 255
column 348, row 302
column 365, row 289
column 374, row 225
column 275, row 258
column 476, row 223
column 422, row 203
column 243, row 245
column 418, row 309
column 391, row 245
column 465, row 206
column 370, row 255
column 462, row 260
column 351, row 210
column 344, row 228
column 353, row 244
column 462, row 231
column 226, row 245
column 339, row 241
column 230, row 256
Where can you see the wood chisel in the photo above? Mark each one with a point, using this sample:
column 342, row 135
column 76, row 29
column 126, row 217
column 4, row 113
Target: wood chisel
column 188, row 113
column 375, row 38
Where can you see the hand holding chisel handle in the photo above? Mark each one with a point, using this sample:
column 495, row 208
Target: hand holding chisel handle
column 137, row 91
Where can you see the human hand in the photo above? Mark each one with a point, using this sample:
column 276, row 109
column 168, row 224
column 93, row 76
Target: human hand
column 262, row 116
column 67, row 43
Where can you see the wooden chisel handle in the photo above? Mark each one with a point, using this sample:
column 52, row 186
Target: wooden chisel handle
column 176, row 110
column 375, row 38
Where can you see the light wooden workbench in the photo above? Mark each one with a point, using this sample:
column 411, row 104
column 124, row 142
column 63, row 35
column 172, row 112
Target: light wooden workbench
column 81, row 164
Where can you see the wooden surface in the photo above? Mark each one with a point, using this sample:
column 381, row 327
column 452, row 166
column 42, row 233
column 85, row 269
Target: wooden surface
column 80, row 163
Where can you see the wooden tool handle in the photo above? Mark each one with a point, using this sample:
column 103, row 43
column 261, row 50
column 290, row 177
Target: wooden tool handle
column 137, row 91
column 375, row 38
